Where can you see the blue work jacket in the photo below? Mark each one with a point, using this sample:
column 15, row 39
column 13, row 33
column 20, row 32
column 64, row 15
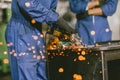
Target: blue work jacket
column 23, row 35
column 93, row 29
column 27, row 16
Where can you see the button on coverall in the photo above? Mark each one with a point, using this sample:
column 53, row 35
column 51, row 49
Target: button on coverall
column 25, row 42
column 93, row 28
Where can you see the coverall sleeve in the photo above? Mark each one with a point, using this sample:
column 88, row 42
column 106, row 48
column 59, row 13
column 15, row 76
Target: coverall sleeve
column 78, row 6
column 54, row 4
column 110, row 7
column 37, row 11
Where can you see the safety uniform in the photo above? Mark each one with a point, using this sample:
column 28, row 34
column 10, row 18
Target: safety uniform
column 24, row 38
column 93, row 29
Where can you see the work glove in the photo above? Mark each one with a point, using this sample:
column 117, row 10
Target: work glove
column 62, row 24
column 102, row 2
column 82, row 15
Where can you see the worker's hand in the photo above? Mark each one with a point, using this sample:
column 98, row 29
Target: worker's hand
column 96, row 3
column 92, row 4
column 95, row 11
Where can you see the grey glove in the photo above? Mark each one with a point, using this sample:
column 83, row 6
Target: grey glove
column 102, row 2
column 61, row 23
column 82, row 15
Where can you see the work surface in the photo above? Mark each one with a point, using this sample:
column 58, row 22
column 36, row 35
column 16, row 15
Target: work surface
column 89, row 63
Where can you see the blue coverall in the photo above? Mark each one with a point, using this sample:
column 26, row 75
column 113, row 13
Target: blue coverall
column 93, row 29
column 25, row 42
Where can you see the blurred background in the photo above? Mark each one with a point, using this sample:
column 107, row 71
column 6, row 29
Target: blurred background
column 63, row 10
